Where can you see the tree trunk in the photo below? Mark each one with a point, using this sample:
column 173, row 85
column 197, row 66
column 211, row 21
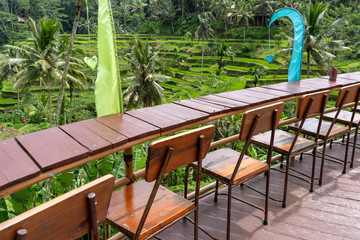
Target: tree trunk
column 182, row 10
column 50, row 112
column 202, row 60
column 244, row 34
column 308, row 64
column 125, row 23
column 18, row 99
column 225, row 23
column 48, row 189
column 172, row 27
column 213, row 84
column 67, row 61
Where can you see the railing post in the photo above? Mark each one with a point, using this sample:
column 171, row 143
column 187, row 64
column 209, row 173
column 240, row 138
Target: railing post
column 128, row 158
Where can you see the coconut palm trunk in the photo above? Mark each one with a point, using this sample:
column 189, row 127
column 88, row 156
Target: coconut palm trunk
column 50, row 112
column 308, row 64
column 67, row 61
column 202, row 59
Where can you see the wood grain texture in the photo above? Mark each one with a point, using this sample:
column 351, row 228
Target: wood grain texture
column 247, row 97
column 185, row 147
column 65, row 217
column 220, row 164
column 188, row 114
column 296, row 87
column 52, row 148
column 15, row 165
column 343, row 118
column 283, row 141
column 160, row 119
column 232, row 104
column 93, row 135
column 316, row 106
column 311, row 124
column 277, row 94
column 353, row 91
column 127, row 206
column 265, row 121
column 202, row 106
column 129, row 126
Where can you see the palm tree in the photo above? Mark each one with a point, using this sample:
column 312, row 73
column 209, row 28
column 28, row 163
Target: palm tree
column 204, row 31
column 41, row 60
column 244, row 14
column 143, row 89
column 222, row 8
column 257, row 72
column 318, row 43
column 221, row 50
column 125, row 10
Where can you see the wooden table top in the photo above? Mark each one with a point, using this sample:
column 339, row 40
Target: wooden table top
column 43, row 151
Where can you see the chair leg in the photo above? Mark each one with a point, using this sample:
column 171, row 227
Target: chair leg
column 286, row 181
column 313, row 171
column 267, row 198
column 216, row 191
column 331, row 142
column 229, row 213
column 301, row 156
column 282, row 161
column 322, row 163
column 346, row 152
column 196, row 223
column 353, row 150
column 186, row 180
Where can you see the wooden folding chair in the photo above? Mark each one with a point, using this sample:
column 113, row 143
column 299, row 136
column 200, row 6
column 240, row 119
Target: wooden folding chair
column 68, row 216
column 291, row 145
column 233, row 168
column 330, row 130
column 145, row 208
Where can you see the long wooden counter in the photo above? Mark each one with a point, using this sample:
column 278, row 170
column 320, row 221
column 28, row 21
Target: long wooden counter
column 31, row 158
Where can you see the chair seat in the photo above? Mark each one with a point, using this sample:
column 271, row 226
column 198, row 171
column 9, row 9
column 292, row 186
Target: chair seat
column 283, row 141
column 311, row 125
column 220, row 164
column 127, row 206
column 344, row 117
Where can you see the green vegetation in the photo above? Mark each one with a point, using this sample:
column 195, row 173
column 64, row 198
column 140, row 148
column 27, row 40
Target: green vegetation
column 161, row 59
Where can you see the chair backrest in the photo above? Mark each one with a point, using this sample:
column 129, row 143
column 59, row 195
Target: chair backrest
column 186, row 148
column 318, row 103
column 265, row 120
column 65, row 217
column 352, row 93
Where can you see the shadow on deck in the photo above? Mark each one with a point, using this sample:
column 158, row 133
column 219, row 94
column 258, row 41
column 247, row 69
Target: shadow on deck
column 332, row 211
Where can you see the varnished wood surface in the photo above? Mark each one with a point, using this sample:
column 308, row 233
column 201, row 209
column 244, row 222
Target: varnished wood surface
column 162, row 120
column 120, row 129
column 15, row 165
column 65, row 217
column 91, row 128
column 265, row 120
column 127, row 206
column 319, row 100
column 129, row 126
column 232, row 104
column 202, row 106
column 311, row 124
column 220, row 164
column 186, row 148
column 332, row 211
column 52, row 148
column 344, row 117
column 283, row 141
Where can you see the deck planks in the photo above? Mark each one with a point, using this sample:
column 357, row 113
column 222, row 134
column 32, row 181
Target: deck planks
column 52, row 148
column 332, row 211
column 15, row 165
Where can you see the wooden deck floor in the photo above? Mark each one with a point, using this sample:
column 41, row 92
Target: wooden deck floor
column 332, row 211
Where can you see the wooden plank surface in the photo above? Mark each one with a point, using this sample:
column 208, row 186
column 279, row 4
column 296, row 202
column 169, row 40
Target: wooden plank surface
column 65, row 217
column 232, row 104
column 247, row 96
column 94, row 135
column 322, row 83
column 202, row 106
column 15, row 165
column 276, row 93
column 160, row 119
column 129, row 126
column 52, row 148
column 188, row 114
column 296, row 87
column 332, row 211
